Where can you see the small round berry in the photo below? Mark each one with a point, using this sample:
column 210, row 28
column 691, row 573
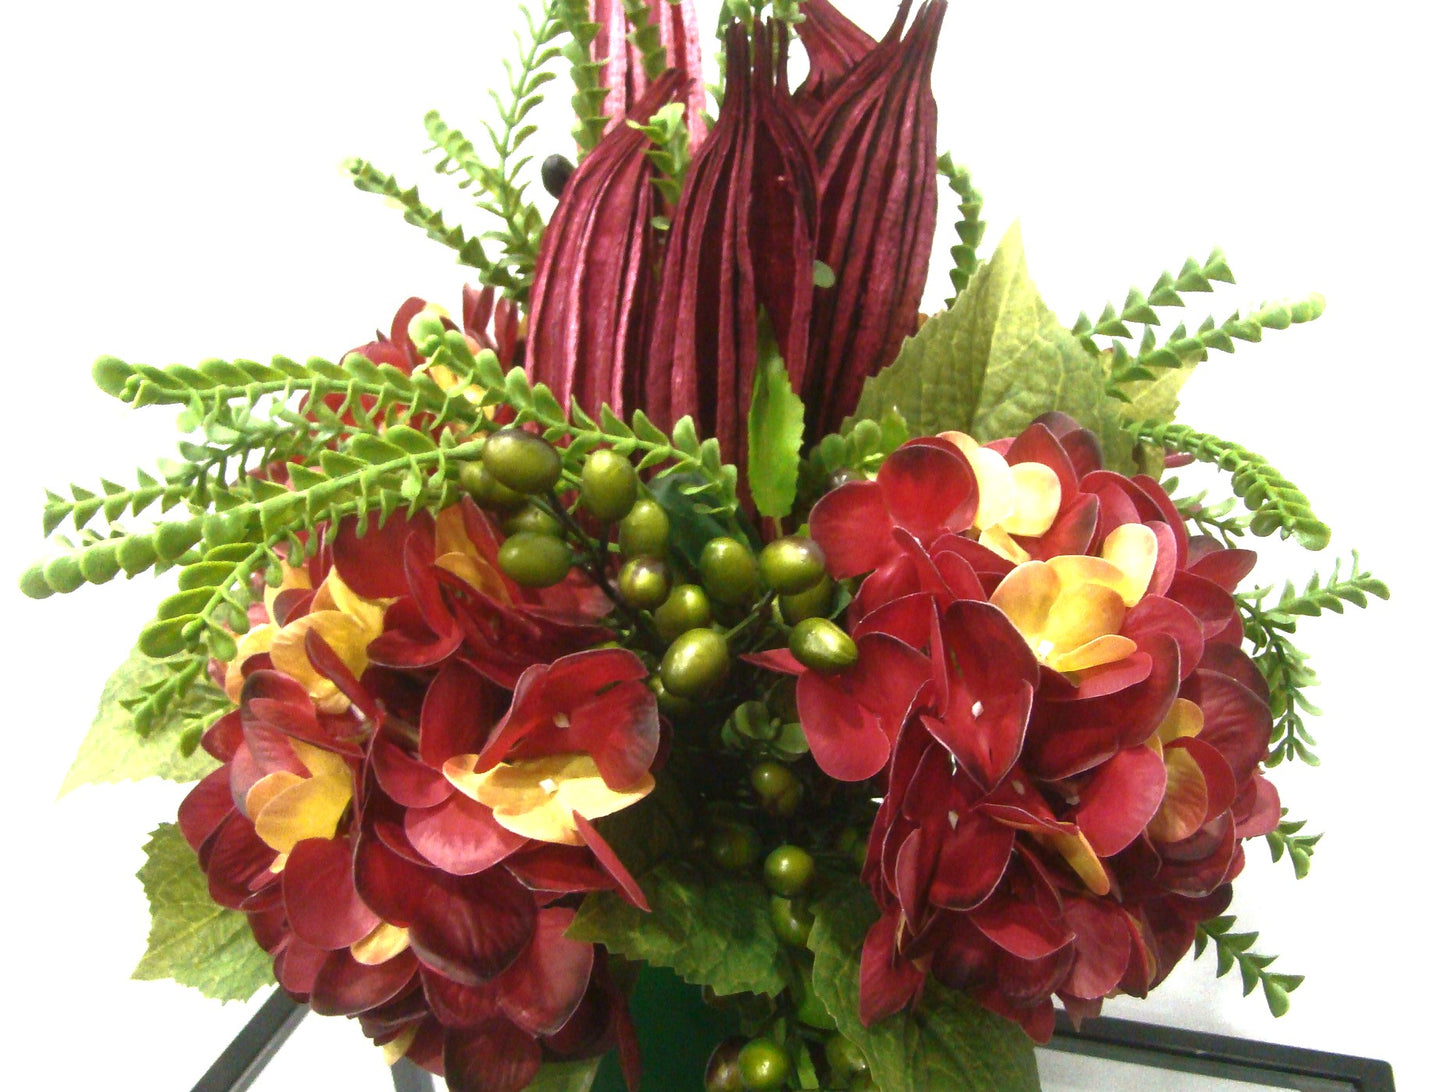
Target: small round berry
column 522, row 461
column 535, row 561
column 791, row 919
column 643, row 583
column 729, row 571
column 792, row 565
column 845, row 1059
column 609, row 485
column 489, row 493
column 765, row 1065
column 734, row 847
column 816, row 602
column 695, row 664
column 777, row 786
column 819, row 644
column 723, row 1073
column 686, row 608
column 556, row 173
column 644, row 531
column 788, row 870
column 534, row 520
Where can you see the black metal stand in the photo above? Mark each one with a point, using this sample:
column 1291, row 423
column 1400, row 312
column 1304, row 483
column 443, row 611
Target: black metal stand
column 1219, row 1055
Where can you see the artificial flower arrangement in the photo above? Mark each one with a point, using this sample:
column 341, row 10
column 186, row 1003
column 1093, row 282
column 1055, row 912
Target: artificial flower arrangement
column 687, row 600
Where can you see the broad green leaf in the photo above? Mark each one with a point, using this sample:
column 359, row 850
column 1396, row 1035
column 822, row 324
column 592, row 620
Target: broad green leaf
column 946, row 1042
column 711, row 928
column 114, row 751
column 192, row 940
column 565, row 1076
column 993, row 362
column 775, row 432
column 1155, row 399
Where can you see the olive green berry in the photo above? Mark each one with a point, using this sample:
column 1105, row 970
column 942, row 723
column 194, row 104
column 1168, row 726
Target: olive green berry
column 729, row 571
column 477, row 482
column 792, row 565
column 532, row 519
column 791, row 919
column 788, row 870
column 816, row 602
column 522, row 461
column 695, row 664
column 686, row 608
column 819, row 644
column 644, row 531
column 609, row 485
column 643, row 583
column 535, row 560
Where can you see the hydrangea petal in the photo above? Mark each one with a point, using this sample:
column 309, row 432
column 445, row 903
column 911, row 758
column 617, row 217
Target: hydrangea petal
column 542, row 989
column 345, row 987
column 1120, row 799
column 384, row 942
column 321, row 900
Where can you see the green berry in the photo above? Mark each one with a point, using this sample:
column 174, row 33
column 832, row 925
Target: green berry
column 532, row 520
column 695, row 664
column 792, row 565
column 522, row 461
column 643, row 583
column 534, row 560
column 477, row 481
column 765, row 1065
column 734, row 847
column 729, row 571
column 777, row 786
column 668, row 703
column 816, row 602
column 609, row 485
column 644, row 531
column 791, row 919
column 686, row 608
column 845, row 1059
column 819, row 644
column 788, row 870
column 723, row 1073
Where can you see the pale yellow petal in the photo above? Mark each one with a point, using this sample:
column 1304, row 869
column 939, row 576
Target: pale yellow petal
column 536, row 797
column 1186, row 799
column 998, row 540
column 1134, row 548
column 394, row 1050
column 477, row 573
column 268, row 788
column 451, row 533
column 590, row 797
column 1108, row 649
column 1037, row 495
column 310, row 809
column 347, row 637
column 322, row 763
column 995, row 486
column 1184, row 719
column 369, row 612
column 1027, row 595
column 1076, row 569
column 1080, row 614
column 1075, row 849
column 386, row 941
column 961, row 440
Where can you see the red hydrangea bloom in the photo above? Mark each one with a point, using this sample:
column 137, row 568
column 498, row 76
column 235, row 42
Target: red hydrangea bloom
column 1051, row 685
column 382, row 887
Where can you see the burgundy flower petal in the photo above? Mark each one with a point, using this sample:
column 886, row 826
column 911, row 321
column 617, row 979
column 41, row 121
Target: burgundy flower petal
column 928, row 490
column 460, row 836
column 233, row 857
column 1103, row 946
column 1224, row 567
column 321, row 899
column 297, row 966
column 1024, row 916
column 1119, row 800
column 554, row 868
column 456, row 715
column 971, row 863
column 329, row 666
column 1207, row 601
column 1237, row 723
column 371, row 564
column 470, row 928
column 456, row 1005
column 404, row 779
column 1155, row 615
column 853, row 526
column 835, row 45
column 622, row 73
column 345, row 987
column 495, row 1057
column 1256, row 810
column 542, row 989
column 205, row 806
column 611, row 863
column 887, row 982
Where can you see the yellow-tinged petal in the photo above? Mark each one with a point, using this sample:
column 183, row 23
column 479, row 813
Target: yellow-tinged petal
column 1108, row 649
column 451, row 533
column 253, row 642
column 1183, row 720
column 291, row 578
column 961, row 440
column 321, row 763
column 310, row 809
column 386, row 941
column 394, row 1050
column 1076, row 569
column 537, row 796
column 998, row 540
column 1037, row 495
column 1027, row 595
column 1081, row 614
column 1075, row 849
column 347, row 637
column 1186, row 798
column 336, row 594
column 995, row 486
column 477, row 573
column 267, row 789
column 1135, row 550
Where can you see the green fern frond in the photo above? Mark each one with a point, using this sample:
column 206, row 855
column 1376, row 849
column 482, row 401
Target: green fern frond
column 670, row 152
column 1319, row 595
column 1139, row 308
column 969, row 226
column 469, row 249
column 588, row 92
column 1287, row 839
column 1236, row 949
column 646, row 37
column 1277, row 504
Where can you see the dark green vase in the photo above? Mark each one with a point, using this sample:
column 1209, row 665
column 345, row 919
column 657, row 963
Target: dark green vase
column 677, row 1030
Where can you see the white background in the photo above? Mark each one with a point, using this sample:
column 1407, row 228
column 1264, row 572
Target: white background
column 171, row 192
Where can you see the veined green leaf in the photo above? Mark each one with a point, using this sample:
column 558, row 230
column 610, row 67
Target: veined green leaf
column 775, row 431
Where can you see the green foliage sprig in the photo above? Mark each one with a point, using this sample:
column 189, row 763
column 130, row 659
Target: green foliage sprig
column 1284, row 666
column 969, row 226
column 1237, row 949
column 1286, row 838
column 416, row 212
column 645, row 37
column 1138, row 308
column 588, row 93
column 670, row 153
column 1277, row 503
column 1213, row 518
